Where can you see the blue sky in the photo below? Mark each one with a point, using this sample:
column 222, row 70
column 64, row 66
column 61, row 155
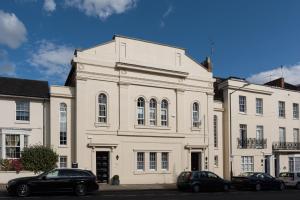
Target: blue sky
column 252, row 38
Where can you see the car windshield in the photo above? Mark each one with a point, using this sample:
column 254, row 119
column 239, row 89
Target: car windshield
column 285, row 175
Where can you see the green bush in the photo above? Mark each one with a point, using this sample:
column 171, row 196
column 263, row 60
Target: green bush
column 39, row 158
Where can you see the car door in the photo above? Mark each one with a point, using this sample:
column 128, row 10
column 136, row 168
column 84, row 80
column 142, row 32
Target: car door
column 45, row 183
column 214, row 182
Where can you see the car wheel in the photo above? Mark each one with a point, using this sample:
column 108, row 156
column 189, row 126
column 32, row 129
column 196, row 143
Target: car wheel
column 23, row 190
column 257, row 187
column 281, row 186
column 80, row 190
column 226, row 188
column 196, row 188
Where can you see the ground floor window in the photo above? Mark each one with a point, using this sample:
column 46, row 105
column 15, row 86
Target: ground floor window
column 140, row 164
column 152, row 164
column 165, row 160
column 63, row 162
column 216, row 161
column 12, row 146
column 294, row 164
column 247, row 163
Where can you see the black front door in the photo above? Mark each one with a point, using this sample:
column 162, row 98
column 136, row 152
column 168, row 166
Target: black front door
column 195, row 161
column 267, row 164
column 102, row 166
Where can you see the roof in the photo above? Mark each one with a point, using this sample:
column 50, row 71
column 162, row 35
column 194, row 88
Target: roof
column 24, row 87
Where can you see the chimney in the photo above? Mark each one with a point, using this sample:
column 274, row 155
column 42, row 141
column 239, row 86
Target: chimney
column 277, row 82
column 207, row 64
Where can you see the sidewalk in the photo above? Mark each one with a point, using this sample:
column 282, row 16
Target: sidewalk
column 108, row 187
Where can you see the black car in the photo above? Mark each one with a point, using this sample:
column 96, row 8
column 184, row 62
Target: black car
column 58, row 180
column 257, row 181
column 201, row 180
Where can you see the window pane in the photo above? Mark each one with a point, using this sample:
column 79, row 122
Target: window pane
column 22, row 110
column 165, row 160
column 215, row 131
column 13, row 149
column 242, row 103
column 152, row 161
column 140, row 161
column 141, row 111
column 63, row 124
column 195, row 115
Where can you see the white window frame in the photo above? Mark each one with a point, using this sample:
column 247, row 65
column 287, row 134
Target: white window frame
column 23, row 108
column 164, row 117
column 8, row 145
column 153, row 161
column 63, row 129
column 295, row 111
column 259, row 136
column 281, row 109
column 102, row 113
column 282, row 134
column 296, row 136
column 141, row 111
column 242, row 104
column 259, row 106
column 64, row 163
column 195, row 115
column 140, row 161
column 153, row 112
column 247, row 163
column 165, row 157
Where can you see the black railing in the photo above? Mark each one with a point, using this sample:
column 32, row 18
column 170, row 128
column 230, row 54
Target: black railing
column 286, row 145
column 251, row 143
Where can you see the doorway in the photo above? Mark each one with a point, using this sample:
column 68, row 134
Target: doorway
column 196, row 161
column 102, row 166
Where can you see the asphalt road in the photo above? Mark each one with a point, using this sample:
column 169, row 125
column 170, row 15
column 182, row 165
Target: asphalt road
column 173, row 195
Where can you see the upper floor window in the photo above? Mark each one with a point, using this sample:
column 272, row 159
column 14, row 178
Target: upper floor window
column 141, row 111
column 22, row 110
column 243, row 104
column 259, row 136
column 153, row 111
column 282, row 136
column 259, row 106
column 102, row 103
column 295, row 111
column 63, row 162
column 164, row 112
column 281, row 109
column 195, row 115
column 296, row 135
column 63, row 124
column 243, row 135
column 215, row 131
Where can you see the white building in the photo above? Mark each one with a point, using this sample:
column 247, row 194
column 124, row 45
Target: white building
column 23, row 115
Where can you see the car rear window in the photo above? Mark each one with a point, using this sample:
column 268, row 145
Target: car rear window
column 285, row 175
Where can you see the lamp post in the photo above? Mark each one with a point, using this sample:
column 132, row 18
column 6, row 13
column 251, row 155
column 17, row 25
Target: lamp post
column 230, row 117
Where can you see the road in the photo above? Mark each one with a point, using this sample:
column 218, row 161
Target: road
column 173, row 195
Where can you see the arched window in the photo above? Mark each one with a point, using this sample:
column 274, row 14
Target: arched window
column 164, row 112
column 195, row 115
column 102, row 105
column 141, row 111
column 63, row 124
column 215, row 131
column 153, row 111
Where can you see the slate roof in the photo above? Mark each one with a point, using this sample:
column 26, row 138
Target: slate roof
column 24, row 87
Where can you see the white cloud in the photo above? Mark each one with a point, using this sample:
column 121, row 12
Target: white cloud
column 13, row 32
column 291, row 75
column 49, row 5
column 102, row 8
column 165, row 15
column 51, row 59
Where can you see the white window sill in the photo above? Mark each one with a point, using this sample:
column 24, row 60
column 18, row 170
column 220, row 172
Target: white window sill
column 295, row 118
column 259, row 115
column 152, row 127
column 63, row 146
column 196, row 129
column 281, row 117
column 242, row 113
column 22, row 122
column 98, row 124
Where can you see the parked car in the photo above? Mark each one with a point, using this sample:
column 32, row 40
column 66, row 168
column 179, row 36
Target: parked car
column 290, row 179
column 58, row 180
column 201, row 180
column 257, row 181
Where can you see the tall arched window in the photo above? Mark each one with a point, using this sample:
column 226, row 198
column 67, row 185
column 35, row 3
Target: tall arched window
column 63, row 124
column 141, row 111
column 153, row 111
column 102, row 105
column 164, row 112
column 195, row 115
column 215, row 131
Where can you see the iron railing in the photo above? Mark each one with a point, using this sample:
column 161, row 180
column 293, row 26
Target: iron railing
column 251, row 143
column 286, row 146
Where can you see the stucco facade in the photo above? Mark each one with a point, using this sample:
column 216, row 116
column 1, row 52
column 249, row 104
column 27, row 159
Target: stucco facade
column 157, row 150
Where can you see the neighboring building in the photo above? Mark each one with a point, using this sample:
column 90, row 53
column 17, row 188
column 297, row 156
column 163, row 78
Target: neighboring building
column 137, row 109
column 23, row 120
column 261, row 126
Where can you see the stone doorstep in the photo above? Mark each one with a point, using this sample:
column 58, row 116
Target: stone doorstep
column 108, row 187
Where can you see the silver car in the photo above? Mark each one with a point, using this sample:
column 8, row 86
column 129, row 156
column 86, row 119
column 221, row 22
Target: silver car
column 291, row 179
